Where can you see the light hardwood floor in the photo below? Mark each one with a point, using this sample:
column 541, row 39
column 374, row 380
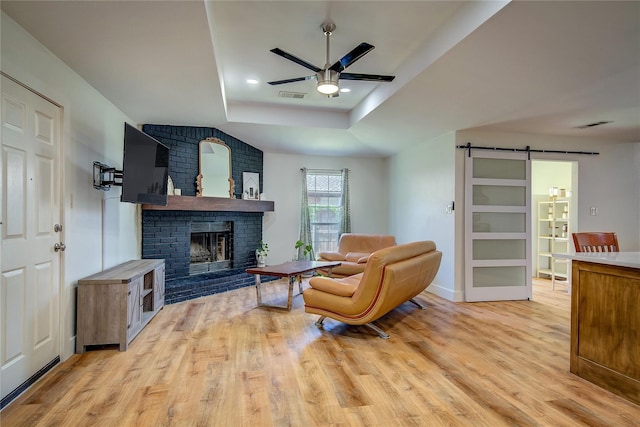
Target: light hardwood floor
column 220, row 361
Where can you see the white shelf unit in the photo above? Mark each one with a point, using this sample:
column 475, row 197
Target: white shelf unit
column 554, row 236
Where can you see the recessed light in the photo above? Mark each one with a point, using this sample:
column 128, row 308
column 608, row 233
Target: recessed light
column 345, row 90
column 252, row 81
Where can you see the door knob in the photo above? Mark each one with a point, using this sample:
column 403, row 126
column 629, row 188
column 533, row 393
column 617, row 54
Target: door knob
column 59, row 247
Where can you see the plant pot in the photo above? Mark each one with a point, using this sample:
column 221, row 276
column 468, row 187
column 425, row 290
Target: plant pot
column 261, row 258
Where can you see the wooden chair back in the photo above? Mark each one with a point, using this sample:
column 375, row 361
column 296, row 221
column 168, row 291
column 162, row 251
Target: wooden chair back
column 596, row 242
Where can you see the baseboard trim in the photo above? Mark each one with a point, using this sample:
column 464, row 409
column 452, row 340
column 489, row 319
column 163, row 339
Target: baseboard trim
column 28, row 383
column 446, row 293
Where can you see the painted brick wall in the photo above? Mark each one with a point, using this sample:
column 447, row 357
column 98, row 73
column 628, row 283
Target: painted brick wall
column 183, row 154
column 166, row 234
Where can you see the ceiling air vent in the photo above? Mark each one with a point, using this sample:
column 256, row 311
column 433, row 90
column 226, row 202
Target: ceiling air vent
column 294, row 95
column 590, row 125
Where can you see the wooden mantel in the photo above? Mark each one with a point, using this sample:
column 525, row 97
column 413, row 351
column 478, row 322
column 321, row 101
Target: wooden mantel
column 212, row 204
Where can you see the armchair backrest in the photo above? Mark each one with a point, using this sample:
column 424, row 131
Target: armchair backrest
column 365, row 243
column 396, row 274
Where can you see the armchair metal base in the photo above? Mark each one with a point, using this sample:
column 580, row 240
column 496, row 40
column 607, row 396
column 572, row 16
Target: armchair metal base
column 382, row 334
column 418, row 303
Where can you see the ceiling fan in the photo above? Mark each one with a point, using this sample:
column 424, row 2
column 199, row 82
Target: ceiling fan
column 329, row 75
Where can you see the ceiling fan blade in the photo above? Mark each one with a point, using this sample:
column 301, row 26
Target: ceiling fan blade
column 295, row 59
column 351, row 57
column 367, row 77
column 296, row 79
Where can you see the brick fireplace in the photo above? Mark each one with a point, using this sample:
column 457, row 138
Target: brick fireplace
column 168, row 233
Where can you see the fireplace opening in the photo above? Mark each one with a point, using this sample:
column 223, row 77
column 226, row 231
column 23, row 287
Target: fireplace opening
column 211, row 247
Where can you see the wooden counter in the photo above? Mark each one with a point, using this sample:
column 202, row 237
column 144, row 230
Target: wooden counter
column 605, row 321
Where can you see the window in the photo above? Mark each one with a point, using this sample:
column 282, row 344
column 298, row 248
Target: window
column 324, row 201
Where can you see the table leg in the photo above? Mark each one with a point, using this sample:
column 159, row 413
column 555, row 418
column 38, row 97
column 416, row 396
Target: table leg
column 290, row 298
column 279, row 307
column 258, row 291
column 299, row 278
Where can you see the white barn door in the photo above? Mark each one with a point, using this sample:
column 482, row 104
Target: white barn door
column 497, row 226
column 30, row 267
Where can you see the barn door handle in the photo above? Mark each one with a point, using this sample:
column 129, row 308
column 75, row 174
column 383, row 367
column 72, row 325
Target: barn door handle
column 59, row 247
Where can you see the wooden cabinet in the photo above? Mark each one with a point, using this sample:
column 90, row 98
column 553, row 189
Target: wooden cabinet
column 114, row 305
column 605, row 327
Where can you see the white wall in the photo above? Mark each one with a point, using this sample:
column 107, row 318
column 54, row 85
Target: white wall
column 92, row 130
column 421, row 186
column 611, row 183
column 547, row 174
column 283, row 184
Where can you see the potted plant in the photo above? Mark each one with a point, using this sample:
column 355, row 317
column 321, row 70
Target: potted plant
column 261, row 253
column 306, row 250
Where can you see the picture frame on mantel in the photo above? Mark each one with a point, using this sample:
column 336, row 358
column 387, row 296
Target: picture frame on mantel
column 250, row 185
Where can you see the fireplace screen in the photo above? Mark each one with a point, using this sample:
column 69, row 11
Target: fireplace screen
column 211, row 246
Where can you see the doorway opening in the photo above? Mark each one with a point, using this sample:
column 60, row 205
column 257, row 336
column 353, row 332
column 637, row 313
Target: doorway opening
column 554, row 201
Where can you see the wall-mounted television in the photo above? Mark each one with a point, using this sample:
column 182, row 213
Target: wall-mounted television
column 145, row 168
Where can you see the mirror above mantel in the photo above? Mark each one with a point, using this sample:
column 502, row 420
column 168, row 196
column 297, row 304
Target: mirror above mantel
column 214, row 178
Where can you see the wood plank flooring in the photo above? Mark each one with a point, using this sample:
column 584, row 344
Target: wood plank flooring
column 220, row 361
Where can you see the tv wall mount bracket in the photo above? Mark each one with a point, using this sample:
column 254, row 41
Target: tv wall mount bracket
column 104, row 176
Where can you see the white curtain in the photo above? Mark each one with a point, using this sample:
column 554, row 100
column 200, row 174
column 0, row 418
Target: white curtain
column 305, row 217
column 345, row 221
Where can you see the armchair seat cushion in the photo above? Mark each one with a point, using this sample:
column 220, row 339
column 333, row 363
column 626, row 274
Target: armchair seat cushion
column 343, row 287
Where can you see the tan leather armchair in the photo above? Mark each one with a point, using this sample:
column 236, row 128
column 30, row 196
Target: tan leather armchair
column 354, row 251
column 391, row 277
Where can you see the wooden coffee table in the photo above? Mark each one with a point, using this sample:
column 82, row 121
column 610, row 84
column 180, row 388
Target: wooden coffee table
column 293, row 270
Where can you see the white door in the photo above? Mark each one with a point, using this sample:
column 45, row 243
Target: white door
column 29, row 297
column 497, row 226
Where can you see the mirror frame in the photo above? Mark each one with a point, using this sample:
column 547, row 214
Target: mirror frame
column 199, row 178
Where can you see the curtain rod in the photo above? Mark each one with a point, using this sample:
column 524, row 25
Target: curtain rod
column 528, row 150
column 324, row 170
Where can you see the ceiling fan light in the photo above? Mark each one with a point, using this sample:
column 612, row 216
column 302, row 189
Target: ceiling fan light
column 327, row 88
column 328, row 82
